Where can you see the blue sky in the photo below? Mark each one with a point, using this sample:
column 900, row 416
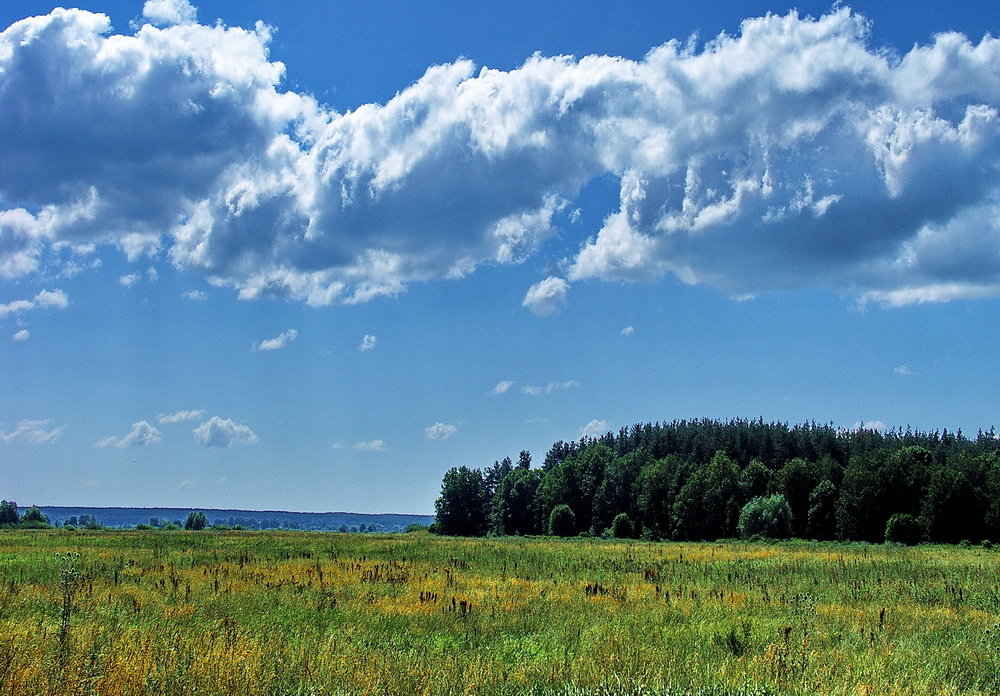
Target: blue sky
column 311, row 263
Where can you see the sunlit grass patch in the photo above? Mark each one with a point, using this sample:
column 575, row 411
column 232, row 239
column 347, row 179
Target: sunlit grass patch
column 299, row 613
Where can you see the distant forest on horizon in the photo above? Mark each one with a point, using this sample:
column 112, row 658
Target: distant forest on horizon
column 708, row 479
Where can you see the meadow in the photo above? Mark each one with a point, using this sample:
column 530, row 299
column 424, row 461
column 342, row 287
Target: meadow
column 275, row 613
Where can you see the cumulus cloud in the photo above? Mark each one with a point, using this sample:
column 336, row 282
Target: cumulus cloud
column 279, row 341
column 21, row 335
column 440, row 431
column 142, row 435
column 222, row 432
column 903, row 371
column 594, row 428
column 180, row 416
column 547, row 296
column 43, row 300
column 36, row 432
column 628, row 330
column 793, row 153
column 195, row 295
column 367, row 343
column 502, row 387
column 371, row 446
column 129, row 280
column 549, row 388
column 166, row 12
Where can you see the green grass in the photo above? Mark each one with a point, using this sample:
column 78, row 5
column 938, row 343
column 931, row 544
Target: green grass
column 274, row 613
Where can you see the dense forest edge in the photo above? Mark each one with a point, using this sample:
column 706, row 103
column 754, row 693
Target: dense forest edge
column 703, row 480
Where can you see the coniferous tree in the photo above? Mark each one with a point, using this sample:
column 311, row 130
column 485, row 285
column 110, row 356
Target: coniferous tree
column 524, row 460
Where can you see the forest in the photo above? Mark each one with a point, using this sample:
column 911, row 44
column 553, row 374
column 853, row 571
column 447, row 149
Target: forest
column 702, row 480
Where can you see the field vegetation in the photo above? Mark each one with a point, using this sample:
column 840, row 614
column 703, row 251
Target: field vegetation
column 287, row 613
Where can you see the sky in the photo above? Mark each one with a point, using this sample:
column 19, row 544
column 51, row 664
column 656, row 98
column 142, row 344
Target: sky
column 309, row 256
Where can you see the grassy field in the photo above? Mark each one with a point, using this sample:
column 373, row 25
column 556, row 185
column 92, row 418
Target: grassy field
column 306, row 613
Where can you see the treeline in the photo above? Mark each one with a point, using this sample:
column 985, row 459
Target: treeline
column 34, row 518
column 707, row 479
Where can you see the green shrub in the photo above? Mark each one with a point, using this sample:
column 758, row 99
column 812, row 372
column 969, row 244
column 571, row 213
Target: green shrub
column 766, row 516
column 562, row 521
column 903, row 528
column 621, row 526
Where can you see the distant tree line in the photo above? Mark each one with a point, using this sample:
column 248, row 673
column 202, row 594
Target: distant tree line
column 707, row 479
column 34, row 518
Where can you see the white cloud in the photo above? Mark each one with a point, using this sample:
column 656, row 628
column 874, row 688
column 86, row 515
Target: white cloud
column 142, row 435
column 371, row 446
column 180, row 416
column 546, row 297
column 129, row 280
column 166, row 12
column 195, row 295
column 502, row 387
column 219, row 432
column 594, row 428
column 21, row 335
column 279, row 341
column 37, row 432
column 440, row 431
column 869, row 425
column 792, row 154
column 628, row 330
column 152, row 274
column 549, row 388
column 903, row 371
column 44, row 299
column 367, row 343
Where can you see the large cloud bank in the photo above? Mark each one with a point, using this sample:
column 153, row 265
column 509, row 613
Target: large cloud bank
column 792, row 154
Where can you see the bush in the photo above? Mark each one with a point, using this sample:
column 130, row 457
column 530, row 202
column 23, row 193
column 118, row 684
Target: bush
column 766, row 516
column 621, row 526
column 33, row 524
column 903, row 528
column 562, row 521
